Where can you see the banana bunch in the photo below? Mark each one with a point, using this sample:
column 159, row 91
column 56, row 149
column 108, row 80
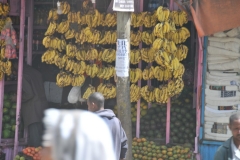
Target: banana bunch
column 135, row 75
column 107, row 55
column 108, row 37
column 181, row 53
column 148, row 37
column 4, row 9
column 160, row 29
column 148, row 73
column 147, row 93
column 63, row 27
column 91, row 54
column 175, row 63
column 162, row 14
column 108, row 90
column 64, row 79
column 2, row 53
column 2, row 23
column 161, row 94
column 135, row 56
column 179, row 17
column 149, row 20
column 1, row 75
column 89, row 91
column 74, row 17
column 137, row 19
column 178, row 36
column 92, row 70
column 78, row 80
column 65, row 7
column 135, row 93
column 161, row 74
column 106, row 72
column 148, row 54
column 179, row 71
column 177, row 87
column 78, row 67
column 94, row 19
column 163, row 59
column 52, row 15
column 71, row 50
column 81, row 54
column 157, row 44
column 135, row 38
column 172, row 25
column 51, row 28
column 49, row 56
column 110, row 20
column 88, row 35
column 5, row 67
column 70, row 34
column 168, row 46
column 60, row 61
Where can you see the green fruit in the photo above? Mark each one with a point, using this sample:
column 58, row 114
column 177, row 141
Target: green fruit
column 7, row 104
column 6, row 133
column 5, row 110
column 13, row 128
column 6, row 126
column 6, row 118
column 22, row 158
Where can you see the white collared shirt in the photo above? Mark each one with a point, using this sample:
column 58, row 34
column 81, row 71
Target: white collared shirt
column 235, row 151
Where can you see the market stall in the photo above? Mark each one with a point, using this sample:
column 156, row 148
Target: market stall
column 78, row 48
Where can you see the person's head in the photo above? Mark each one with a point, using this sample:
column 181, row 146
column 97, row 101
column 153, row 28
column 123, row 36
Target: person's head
column 95, row 102
column 234, row 126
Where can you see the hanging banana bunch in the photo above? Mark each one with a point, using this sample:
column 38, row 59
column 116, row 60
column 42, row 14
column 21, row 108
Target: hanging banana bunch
column 49, row 56
column 135, row 93
column 179, row 17
column 136, row 38
column 92, row 18
column 107, row 55
column 148, row 37
column 92, row 70
column 71, row 50
column 52, row 15
column 89, row 91
column 74, row 17
column 135, row 75
column 81, row 54
column 79, row 68
column 148, row 54
column 179, row 71
column 4, row 9
column 181, row 52
column 110, row 20
column 51, row 28
column 137, row 19
column 5, row 67
column 149, row 20
column 108, row 37
column 70, row 65
column 148, row 73
column 161, row 29
column 161, row 94
column 63, row 27
column 54, row 42
column 162, row 75
column 70, row 34
column 178, row 36
column 65, row 7
column 157, row 44
column 107, row 90
column 162, row 14
column 135, row 56
column 147, row 93
column 63, row 79
column 106, row 72
column 178, row 86
column 163, row 59
column 169, row 46
column 91, row 54
column 78, row 80
column 60, row 61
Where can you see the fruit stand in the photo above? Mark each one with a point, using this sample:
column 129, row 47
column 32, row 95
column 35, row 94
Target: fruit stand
column 81, row 44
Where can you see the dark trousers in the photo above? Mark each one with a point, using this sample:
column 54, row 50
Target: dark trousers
column 35, row 133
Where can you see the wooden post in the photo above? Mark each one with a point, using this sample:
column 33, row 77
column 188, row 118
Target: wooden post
column 123, row 83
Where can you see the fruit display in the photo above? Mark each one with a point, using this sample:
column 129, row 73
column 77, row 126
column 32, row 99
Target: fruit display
column 144, row 149
column 4, row 9
column 66, row 79
column 183, row 118
column 135, row 75
column 135, row 56
column 179, row 17
column 89, row 91
column 107, row 90
column 9, row 115
column 29, row 153
column 135, row 93
column 106, row 72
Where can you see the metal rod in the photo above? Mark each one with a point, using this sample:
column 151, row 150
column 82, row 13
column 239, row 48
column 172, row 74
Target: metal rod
column 1, row 104
column 168, row 121
column 20, row 72
column 30, row 34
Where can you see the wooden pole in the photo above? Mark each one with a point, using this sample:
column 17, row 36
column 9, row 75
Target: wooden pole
column 123, row 84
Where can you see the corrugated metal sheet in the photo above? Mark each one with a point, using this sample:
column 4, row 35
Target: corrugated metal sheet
column 207, row 151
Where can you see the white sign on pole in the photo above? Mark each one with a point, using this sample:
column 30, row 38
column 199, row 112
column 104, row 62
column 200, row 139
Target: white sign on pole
column 123, row 5
column 122, row 58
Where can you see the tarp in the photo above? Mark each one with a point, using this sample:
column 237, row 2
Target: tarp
column 211, row 16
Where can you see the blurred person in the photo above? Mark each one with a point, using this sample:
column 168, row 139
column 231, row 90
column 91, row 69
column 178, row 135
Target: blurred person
column 230, row 150
column 96, row 104
column 76, row 135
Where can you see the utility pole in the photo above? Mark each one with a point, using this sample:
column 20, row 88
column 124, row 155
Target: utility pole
column 122, row 82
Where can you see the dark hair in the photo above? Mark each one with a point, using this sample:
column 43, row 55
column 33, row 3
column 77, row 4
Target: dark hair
column 97, row 98
column 234, row 117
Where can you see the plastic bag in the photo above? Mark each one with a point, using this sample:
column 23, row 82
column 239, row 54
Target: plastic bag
column 10, row 49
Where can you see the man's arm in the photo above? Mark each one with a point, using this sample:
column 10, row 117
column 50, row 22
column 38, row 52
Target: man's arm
column 220, row 154
column 124, row 145
column 27, row 92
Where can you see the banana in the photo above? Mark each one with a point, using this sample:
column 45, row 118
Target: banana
column 135, row 93
column 89, row 91
column 147, row 93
